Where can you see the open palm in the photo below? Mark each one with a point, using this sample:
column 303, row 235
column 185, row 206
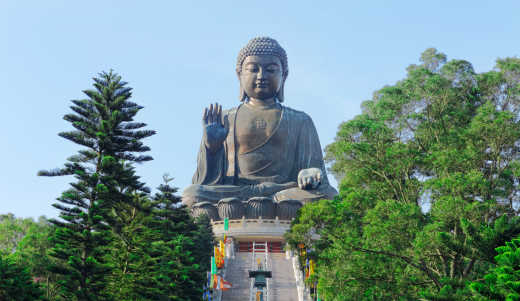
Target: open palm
column 214, row 131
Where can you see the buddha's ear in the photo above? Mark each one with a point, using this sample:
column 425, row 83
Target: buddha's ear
column 280, row 95
column 242, row 93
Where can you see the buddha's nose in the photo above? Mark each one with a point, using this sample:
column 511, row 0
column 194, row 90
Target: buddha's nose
column 260, row 74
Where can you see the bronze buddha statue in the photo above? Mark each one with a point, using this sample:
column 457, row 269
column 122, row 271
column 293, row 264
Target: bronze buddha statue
column 260, row 148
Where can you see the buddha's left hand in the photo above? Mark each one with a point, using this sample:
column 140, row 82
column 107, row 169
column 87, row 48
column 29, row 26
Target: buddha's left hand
column 309, row 178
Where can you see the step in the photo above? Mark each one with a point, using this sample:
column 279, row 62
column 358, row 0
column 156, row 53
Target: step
column 283, row 283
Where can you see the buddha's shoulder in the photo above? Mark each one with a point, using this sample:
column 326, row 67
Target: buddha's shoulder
column 289, row 113
column 295, row 114
column 230, row 111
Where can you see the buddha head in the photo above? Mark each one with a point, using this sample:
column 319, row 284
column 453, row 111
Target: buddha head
column 262, row 69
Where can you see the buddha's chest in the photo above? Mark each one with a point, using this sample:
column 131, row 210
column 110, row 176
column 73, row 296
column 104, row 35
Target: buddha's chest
column 255, row 127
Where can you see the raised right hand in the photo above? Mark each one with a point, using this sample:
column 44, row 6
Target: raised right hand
column 214, row 131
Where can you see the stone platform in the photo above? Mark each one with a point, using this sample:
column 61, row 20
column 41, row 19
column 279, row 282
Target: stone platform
column 253, row 229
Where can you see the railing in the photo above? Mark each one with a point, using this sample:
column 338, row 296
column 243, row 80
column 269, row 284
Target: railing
column 273, row 247
column 267, row 268
column 252, row 285
column 255, row 220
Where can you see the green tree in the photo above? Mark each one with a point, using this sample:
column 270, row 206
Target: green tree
column 204, row 241
column 133, row 275
column 12, row 231
column 180, row 275
column 26, row 243
column 104, row 126
column 161, row 253
column 428, row 185
column 503, row 281
column 16, row 283
column 33, row 253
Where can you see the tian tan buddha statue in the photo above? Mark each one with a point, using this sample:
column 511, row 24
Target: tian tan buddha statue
column 260, row 148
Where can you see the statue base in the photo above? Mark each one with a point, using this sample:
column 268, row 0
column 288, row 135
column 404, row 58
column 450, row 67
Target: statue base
column 252, row 229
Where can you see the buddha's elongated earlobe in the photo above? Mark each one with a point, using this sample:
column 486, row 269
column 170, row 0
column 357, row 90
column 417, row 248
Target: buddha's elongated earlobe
column 242, row 94
column 280, row 95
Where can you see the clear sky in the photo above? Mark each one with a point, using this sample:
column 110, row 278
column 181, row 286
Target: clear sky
column 180, row 55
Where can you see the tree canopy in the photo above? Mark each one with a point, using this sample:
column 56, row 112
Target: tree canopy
column 428, row 185
column 114, row 240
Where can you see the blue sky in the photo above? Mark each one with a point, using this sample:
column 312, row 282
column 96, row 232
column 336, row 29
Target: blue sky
column 180, row 55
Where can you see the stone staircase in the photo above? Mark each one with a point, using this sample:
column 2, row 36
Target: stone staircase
column 236, row 273
column 283, row 283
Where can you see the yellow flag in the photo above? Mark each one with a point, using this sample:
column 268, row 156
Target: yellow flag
column 219, row 258
column 312, row 266
column 222, row 248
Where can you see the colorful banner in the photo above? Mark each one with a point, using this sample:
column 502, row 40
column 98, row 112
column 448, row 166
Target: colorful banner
column 222, row 248
column 312, row 267
column 219, row 257
column 225, row 285
column 213, row 266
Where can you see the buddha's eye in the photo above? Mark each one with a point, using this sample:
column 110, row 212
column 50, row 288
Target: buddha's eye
column 272, row 68
column 252, row 68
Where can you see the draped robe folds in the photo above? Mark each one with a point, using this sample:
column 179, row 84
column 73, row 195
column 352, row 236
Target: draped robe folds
column 269, row 169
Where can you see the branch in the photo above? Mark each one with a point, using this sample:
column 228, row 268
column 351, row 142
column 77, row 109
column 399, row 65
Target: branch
column 469, row 267
column 409, row 261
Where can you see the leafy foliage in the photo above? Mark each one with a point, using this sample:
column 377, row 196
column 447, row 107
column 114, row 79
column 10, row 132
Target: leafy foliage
column 29, row 246
column 12, row 231
column 429, row 185
column 16, row 283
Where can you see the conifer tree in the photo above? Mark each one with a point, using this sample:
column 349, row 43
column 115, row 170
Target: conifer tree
column 159, row 248
column 179, row 274
column 503, row 281
column 204, row 242
column 104, row 126
column 131, row 253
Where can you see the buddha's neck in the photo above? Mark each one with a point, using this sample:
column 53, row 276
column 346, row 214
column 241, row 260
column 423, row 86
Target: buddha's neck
column 262, row 103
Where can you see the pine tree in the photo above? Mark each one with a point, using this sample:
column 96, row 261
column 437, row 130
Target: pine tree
column 179, row 276
column 204, row 240
column 159, row 248
column 131, row 253
column 503, row 281
column 104, row 126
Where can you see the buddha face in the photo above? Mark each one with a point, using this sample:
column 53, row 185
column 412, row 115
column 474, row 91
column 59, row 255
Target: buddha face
column 261, row 76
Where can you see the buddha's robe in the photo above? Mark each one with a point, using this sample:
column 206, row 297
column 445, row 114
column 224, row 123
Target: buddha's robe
column 266, row 165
